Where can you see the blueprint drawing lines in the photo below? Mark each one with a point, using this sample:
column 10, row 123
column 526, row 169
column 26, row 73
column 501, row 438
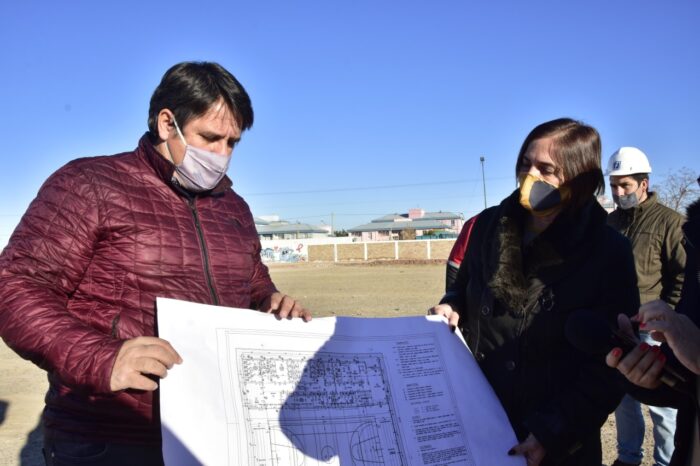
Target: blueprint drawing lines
column 317, row 408
column 254, row 390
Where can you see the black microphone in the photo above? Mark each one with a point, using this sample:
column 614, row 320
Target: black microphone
column 591, row 334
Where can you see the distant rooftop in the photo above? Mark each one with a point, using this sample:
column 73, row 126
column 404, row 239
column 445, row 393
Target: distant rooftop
column 426, row 216
column 442, row 216
column 391, row 218
column 398, row 226
column 280, row 228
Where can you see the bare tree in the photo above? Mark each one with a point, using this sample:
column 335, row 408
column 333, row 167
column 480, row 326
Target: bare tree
column 678, row 189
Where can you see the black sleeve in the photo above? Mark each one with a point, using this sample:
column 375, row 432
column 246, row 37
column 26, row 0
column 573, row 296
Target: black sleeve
column 450, row 276
column 456, row 293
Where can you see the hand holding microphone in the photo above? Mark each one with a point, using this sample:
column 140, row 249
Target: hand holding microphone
column 643, row 365
column 640, row 363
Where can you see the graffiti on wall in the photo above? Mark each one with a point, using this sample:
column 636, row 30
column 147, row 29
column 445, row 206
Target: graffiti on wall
column 284, row 254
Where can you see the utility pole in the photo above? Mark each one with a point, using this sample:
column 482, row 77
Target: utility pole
column 332, row 221
column 483, row 179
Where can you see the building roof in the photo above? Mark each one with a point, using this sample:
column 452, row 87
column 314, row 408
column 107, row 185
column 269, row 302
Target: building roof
column 391, row 218
column 441, row 216
column 426, row 216
column 260, row 221
column 282, row 228
column 398, row 226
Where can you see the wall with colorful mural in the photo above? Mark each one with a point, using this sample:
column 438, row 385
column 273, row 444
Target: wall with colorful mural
column 294, row 250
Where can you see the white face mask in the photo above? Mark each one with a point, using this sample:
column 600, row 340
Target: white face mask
column 200, row 170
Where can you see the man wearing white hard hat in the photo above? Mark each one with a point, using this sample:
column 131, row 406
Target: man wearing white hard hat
column 655, row 233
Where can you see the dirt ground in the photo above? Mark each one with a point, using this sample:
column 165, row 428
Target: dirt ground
column 327, row 289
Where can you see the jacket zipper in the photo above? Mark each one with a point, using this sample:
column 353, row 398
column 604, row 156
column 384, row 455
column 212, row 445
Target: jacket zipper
column 205, row 253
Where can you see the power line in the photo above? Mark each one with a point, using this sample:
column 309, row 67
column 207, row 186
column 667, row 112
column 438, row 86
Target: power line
column 369, row 188
column 404, row 201
column 332, row 213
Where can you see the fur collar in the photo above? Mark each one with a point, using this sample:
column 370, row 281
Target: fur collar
column 516, row 275
column 505, row 264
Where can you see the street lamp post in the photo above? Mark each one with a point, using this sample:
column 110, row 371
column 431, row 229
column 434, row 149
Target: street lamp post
column 483, row 179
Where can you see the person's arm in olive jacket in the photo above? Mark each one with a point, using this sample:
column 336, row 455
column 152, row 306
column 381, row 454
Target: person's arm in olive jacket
column 673, row 257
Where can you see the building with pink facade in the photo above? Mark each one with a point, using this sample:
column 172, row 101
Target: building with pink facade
column 416, row 222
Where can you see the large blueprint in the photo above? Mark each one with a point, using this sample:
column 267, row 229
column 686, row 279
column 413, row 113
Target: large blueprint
column 256, row 391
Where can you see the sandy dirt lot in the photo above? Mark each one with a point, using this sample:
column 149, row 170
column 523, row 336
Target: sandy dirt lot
column 355, row 290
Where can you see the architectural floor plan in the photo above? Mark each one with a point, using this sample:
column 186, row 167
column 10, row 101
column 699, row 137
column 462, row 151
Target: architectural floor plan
column 256, row 391
column 333, row 404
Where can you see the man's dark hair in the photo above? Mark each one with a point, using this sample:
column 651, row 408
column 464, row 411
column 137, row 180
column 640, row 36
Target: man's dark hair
column 189, row 89
column 639, row 177
column 576, row 150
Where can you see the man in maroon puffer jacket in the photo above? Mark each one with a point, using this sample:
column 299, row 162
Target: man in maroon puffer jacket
column 104, row 237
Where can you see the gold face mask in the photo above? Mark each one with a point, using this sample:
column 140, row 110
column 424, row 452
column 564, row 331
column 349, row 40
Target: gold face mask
column 541, row 198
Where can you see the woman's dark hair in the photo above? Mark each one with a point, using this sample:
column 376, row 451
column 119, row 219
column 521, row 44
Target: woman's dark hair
column 576, row 150
column 189, row 89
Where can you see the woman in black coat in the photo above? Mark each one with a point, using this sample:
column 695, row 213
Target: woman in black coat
column 544, row 252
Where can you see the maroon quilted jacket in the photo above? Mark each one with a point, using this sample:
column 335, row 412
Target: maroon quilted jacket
column 104, row 237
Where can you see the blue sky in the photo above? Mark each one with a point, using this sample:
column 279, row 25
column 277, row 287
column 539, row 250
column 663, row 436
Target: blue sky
column 362, row 108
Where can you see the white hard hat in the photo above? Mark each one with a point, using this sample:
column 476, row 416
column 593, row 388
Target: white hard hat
column 628, row 161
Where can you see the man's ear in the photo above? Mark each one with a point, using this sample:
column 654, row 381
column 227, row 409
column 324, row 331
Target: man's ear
column 645, row 184
column 165, row 124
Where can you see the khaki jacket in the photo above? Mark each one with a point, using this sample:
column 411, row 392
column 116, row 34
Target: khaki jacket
column 656, row 236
